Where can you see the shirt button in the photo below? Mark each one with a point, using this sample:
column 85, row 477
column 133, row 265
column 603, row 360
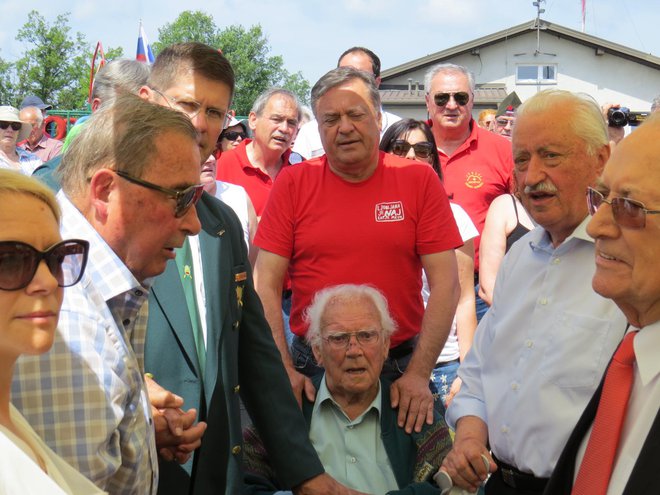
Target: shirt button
column 126, row 322
column 353, row 460
column 529, row 343
column 556, row 261
column 138, row 293
column 237, row 389
column 515, row 386
column 236, row 449
column 543, row 301
column 350, row 427
column 504, row 429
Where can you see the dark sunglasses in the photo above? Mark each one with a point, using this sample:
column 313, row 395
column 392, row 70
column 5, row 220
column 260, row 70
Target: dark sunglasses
column 627, row 212
column 422, row 149
column 19, row 261
column 233, row 135
column 184, row 198
column 16, row 126
column 441, row 99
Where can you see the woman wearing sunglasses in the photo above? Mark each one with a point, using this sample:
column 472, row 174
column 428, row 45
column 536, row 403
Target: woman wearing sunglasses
column 235, row 132
column 35, row 265
column 413, row 139
column 12, row 131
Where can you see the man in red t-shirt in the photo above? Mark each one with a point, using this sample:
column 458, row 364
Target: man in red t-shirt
column 477, row 165
column 255, row 163
column 357, row 215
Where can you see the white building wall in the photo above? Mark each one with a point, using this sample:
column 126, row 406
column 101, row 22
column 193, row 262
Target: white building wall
column 608, row 78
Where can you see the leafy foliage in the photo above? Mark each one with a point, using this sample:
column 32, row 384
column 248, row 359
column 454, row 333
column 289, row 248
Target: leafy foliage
column 55, row 64
column 248, row 51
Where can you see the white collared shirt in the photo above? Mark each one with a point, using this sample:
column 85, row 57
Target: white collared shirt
column 643, row 408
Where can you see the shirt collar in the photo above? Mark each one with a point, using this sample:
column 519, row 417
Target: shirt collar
column 540, row 238
column 323, row 395
column 106, row 270
column 646, row 344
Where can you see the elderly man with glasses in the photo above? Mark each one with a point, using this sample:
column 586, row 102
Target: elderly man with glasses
column 541, row 349
column 351, row 423
column 476, row 163
column 620, row 428
column 130, row 181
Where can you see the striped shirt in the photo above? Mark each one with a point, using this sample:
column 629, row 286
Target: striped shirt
column 86, row 397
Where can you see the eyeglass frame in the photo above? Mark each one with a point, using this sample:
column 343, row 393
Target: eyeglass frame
column 180, row 208
column 173, row 100
column 407, row 145
column 45, row 256
column 616, row 210
column 359, row 335
column 448, row 96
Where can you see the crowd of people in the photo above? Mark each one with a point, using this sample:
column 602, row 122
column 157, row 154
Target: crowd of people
column 418, row 307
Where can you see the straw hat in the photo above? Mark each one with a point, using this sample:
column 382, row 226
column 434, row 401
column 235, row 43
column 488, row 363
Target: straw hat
column 10, row 114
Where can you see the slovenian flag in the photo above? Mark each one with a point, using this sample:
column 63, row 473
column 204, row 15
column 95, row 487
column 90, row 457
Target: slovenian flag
column 144, row 53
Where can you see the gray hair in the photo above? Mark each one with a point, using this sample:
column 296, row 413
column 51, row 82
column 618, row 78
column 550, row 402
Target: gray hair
column 345, row 293
column 656, row 104
column 120, row 136
column 585, row 121
column 341, row 75
column 437, row 69
column 262, row 100
column 119, row 76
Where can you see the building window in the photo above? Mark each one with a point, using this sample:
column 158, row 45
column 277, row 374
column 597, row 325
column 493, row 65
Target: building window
column 536, row 74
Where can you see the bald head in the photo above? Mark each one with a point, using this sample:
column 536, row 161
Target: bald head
column 34, row 117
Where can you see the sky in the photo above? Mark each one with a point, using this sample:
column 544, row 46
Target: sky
column 310, row 34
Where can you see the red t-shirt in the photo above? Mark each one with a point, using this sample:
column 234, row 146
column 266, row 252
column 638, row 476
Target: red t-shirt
column 476, row 173
column 371, row 232
column 235, row 167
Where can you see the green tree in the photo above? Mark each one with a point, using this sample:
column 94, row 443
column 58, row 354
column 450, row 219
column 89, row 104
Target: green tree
column 248, row 51
column 7, row 83
column 56, row 63
column 189, row 26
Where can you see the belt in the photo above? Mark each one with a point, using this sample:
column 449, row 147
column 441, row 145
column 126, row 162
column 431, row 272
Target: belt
column 446, row 363
column 513, row 477
column 403, row 349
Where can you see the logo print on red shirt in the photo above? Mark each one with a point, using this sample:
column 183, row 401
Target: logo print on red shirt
column 474, row 180
column 389, row 212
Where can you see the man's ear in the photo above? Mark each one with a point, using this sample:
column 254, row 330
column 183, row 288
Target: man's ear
column 317, row 355
column 602, row 156
column 102, row 190
column 252, row 120
column 146, row 93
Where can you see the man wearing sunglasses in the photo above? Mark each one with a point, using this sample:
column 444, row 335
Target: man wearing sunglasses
column 129, row 186
column 539, row 352
column 255, row 163
column 208, row 341
column 476, row 164
column 625, row 223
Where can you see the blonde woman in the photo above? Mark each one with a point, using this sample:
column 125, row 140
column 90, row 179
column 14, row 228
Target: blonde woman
column 35, row 265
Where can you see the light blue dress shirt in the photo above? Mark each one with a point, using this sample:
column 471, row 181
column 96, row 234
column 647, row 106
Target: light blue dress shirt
column 540, row 352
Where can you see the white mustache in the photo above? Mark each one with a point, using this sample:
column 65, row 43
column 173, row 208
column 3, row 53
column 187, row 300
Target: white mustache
column 547, row 187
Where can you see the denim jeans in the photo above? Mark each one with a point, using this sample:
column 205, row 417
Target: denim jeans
column 442, row 376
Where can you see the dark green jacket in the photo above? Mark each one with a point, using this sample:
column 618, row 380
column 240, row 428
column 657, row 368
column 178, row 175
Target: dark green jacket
column 414, row 458
column 242, row 359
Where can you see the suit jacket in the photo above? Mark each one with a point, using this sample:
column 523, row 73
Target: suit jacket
column 645, row 476
column 414, row 458
column 241, row 359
